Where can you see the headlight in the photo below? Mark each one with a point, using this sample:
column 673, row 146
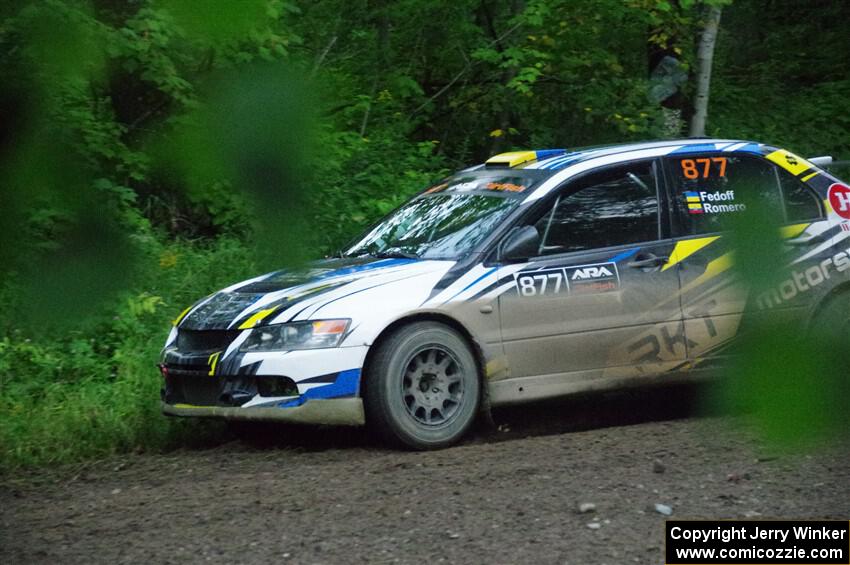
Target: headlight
column 316, row 334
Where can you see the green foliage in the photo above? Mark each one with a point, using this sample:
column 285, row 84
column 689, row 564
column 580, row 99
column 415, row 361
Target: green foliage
column 93, row 390
column 364, row 179
column 783, row 80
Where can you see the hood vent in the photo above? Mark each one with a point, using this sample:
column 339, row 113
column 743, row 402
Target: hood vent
column 192, row 341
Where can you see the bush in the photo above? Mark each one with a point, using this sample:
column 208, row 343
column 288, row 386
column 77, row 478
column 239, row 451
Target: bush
column 69, row 393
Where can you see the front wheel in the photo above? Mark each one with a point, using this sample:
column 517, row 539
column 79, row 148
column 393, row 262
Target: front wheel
column 422, row 387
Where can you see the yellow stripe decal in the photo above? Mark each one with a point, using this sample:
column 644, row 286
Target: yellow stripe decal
column 179, row 318
column 693, row 199
column 313, row 290
column 685, row 249
column 513, row 158
column 256, row 318
column 790, row 162
column 807, row 177
column 714, row 268
column 213, row 362
column 188, row 406
column 793, row 231
column 495, row 366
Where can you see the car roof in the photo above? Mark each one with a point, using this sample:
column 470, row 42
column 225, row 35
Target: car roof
column 556, row 159
column 559, row 165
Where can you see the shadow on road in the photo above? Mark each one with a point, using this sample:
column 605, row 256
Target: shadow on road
column 598, row 410
column 577, row 413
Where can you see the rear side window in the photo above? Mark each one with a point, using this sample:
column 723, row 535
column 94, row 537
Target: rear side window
column 617, row 206
column 799, row 200
column 710, row 189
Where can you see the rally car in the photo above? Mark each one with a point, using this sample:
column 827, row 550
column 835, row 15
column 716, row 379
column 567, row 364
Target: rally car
column 534, row 275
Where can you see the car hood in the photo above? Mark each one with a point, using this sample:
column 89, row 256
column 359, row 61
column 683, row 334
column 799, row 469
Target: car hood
column 279, row 296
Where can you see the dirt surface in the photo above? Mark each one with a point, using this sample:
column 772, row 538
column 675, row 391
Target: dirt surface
column 505, row 496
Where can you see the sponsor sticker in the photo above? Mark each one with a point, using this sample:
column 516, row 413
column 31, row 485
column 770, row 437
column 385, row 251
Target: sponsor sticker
column 513, row 186
column 583, row 279
column 804, row 280
column 505, row 187
column 437, row 188
column 839, row 199
column 602, row 277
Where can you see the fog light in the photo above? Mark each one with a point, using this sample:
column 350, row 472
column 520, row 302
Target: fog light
column 276, row 386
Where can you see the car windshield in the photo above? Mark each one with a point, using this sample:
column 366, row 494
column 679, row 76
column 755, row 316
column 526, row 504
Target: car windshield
column 445, row 222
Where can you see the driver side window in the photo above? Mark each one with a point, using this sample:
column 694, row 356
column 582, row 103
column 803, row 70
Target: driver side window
column 617, row 206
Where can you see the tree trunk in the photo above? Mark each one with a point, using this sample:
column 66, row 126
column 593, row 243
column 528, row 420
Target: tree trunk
column 506, row 116
column 383, row 40
column 705, row 57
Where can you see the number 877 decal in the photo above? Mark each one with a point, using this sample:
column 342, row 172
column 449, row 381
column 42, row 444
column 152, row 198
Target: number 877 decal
column 542, row 283
column 582, row 279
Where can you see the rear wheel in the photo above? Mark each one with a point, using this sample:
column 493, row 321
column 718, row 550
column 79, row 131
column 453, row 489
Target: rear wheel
column 832, row 322
column 422, row 389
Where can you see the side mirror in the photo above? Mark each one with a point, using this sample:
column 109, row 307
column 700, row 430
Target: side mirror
column 521, row 244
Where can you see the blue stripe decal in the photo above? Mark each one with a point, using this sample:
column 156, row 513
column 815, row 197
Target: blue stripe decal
column 542, row 164
column 488, row 273
column 712, row 148
column 564, row 162
column 546, row 153
column 410, row 276
column 345, row 385
column 552, row 163
column 749, row 148
column 383, row 263
column 623, row 255
column 695, row 148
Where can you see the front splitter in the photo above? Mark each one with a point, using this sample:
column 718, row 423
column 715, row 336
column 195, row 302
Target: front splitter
column 334, row 412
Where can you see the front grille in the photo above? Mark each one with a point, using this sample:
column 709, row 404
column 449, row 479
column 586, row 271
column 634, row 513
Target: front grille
column 204, row 340
column 201, row 389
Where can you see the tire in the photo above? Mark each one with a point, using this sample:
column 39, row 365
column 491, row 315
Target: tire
column 422, row 387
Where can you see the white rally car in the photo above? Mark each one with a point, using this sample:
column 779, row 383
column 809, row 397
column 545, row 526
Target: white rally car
column 534, row 275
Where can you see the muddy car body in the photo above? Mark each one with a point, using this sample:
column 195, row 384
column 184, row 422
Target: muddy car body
column 535, row 275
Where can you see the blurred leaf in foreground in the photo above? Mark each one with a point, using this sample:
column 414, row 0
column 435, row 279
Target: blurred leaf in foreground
column 791, row 377
column 215, row 21
column 61, row 236
column 253, row 129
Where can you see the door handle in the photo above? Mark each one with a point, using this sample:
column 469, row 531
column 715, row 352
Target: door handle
column 649, row 261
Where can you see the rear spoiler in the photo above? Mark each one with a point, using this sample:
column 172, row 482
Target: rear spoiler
column 822, row 161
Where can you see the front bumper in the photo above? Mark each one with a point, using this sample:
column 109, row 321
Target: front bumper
column 279, row 381
column 336, row 412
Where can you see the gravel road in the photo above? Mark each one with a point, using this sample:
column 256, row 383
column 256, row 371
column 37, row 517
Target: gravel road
column 510, row 495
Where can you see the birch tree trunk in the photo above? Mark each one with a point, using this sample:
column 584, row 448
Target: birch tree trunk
column 705, row 58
